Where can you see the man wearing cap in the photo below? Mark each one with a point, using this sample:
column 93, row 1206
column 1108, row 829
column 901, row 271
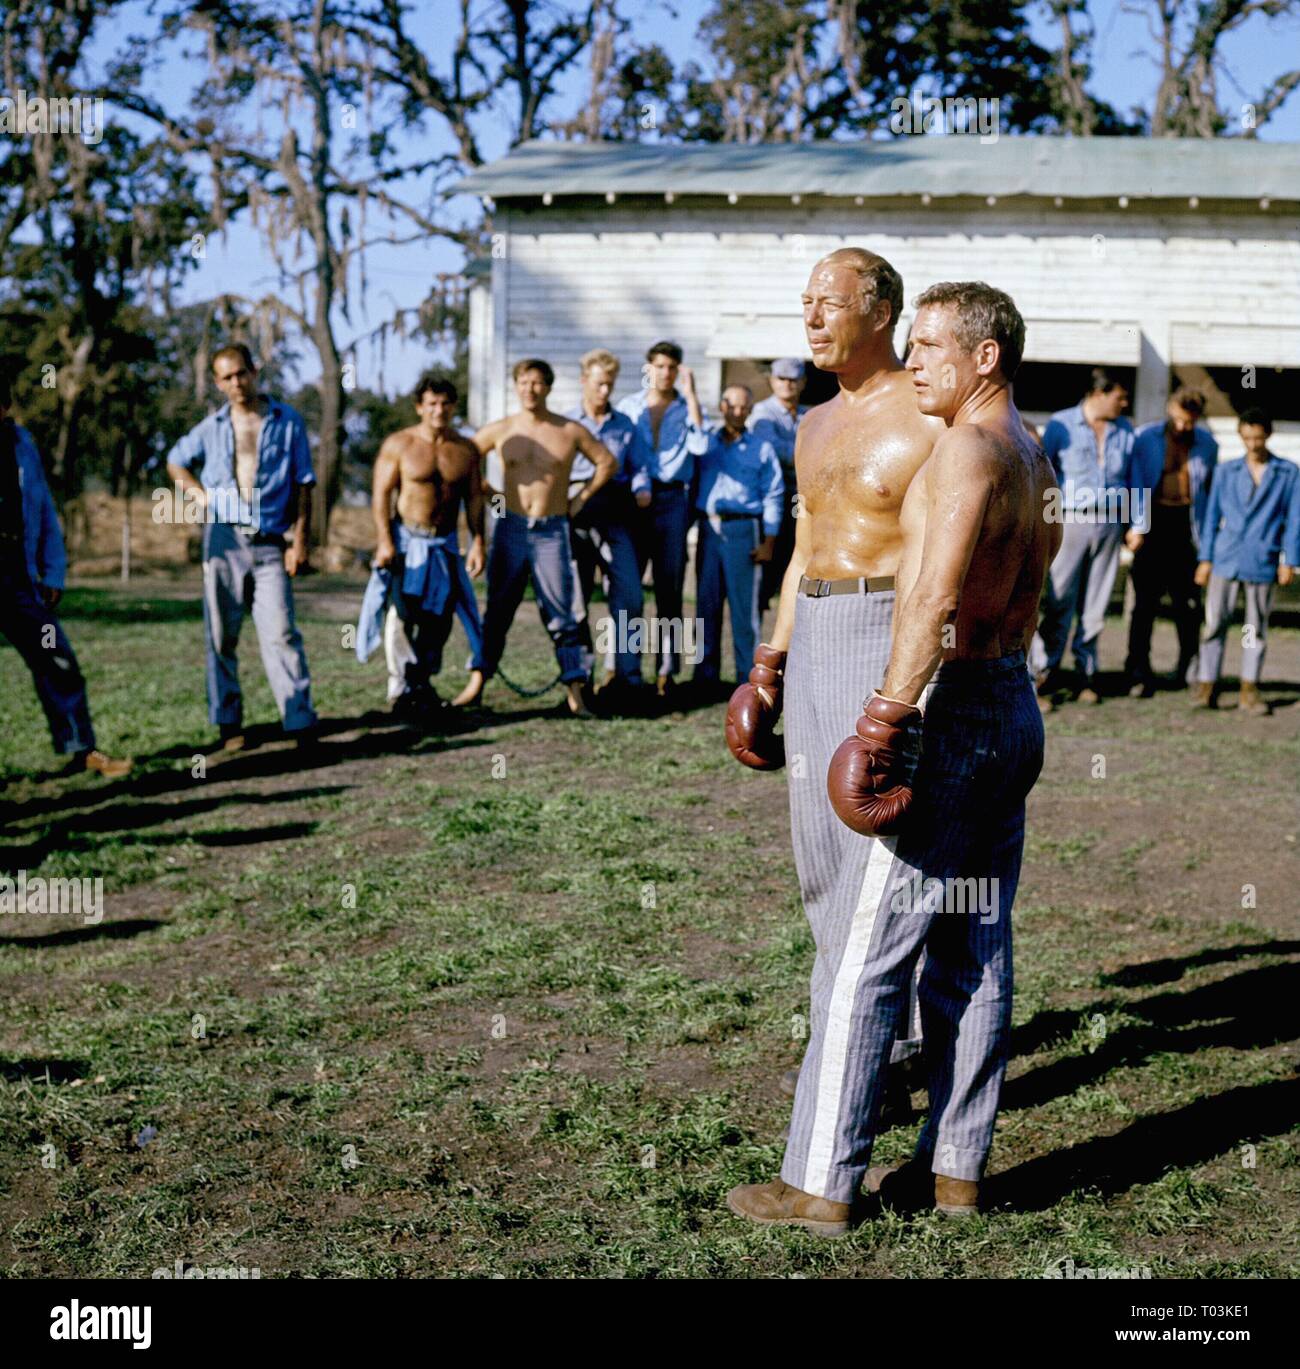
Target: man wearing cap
column 782, row 411
column 739, row 502
column 672, row 424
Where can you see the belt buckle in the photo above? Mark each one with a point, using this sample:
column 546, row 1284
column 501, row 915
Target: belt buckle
column 822, row 590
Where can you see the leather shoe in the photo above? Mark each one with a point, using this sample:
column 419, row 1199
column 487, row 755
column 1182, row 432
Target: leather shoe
column 778, row 1204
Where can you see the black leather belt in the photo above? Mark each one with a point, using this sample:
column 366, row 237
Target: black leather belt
column 735, row 517
column 864, row 584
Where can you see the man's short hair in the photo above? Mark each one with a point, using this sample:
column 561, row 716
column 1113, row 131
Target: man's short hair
column 665, row 349
column 1101, row 382
column 543, row 369
column 598, row 356
column 982, row 312
column 1189, row 399
column 234, row 349
column 880, row 281
column 432, row 383
column 1247, row 418
column 737, row 385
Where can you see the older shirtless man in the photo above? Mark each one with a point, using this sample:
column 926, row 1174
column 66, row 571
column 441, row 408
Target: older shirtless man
column 537, row 448
column 855, row 458
column 420, row 580
column 942, row 792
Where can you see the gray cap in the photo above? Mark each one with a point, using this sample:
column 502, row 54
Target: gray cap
column 787, row 368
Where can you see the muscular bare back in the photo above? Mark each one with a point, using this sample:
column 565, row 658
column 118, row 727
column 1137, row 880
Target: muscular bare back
column 855, row 459
column 996, row 470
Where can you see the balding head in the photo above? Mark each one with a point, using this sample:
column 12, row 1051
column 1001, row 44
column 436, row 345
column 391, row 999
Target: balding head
column 880, row 282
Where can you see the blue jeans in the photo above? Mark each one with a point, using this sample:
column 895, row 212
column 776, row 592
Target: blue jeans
column 724, row 568
column 538, row 548
column 38, row 637
column 245, row 573
column 664, row 547
column 603, row 543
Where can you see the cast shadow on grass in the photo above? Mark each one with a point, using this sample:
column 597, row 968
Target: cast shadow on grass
column 43, row 1071
column 67, row 833
column 1247, row 1011
column 73, row 936
column 1149, row 1147
column 104, row 606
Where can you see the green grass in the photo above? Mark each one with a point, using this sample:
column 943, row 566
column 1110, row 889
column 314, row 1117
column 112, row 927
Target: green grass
column 514, row 1000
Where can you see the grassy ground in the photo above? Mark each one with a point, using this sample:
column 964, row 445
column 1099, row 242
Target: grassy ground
column 514, row 1000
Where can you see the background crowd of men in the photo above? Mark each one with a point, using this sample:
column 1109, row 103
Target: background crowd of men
column 602, row 495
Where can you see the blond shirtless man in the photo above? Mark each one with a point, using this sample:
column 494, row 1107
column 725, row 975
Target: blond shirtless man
column 250, row 465
column 433, row 471
column 940, row 793
column 531, row 538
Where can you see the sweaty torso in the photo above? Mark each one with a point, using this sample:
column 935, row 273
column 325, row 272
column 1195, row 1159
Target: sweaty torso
column 248, row 432
column 854, row 465
column 432, row 477
column 999, row 600
column 537, row 454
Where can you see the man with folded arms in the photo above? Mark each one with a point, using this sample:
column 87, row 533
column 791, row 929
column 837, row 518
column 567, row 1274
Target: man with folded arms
column 1250, row 541
column 856, row 456
column 739, row 502
column 944, row 800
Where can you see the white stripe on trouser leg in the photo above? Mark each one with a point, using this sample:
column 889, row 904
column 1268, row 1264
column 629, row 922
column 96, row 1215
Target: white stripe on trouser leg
column 839, row 1016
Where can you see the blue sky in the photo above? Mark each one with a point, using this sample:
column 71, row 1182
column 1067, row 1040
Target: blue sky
column 1124, row 74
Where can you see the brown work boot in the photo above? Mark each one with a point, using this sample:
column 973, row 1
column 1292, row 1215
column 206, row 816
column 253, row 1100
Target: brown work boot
column 111, row 767
column 777, row 1204
column 911, row 1187
column 1203, row 695
column 956, row 1197
column 1251, row 702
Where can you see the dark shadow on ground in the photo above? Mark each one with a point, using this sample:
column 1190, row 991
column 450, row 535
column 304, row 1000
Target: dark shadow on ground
column 73, row 936
column 43, row 1071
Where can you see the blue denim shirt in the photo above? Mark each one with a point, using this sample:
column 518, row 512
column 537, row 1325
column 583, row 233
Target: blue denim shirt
column 1071, row 446
column 783, row 427
column 283, row 463
column 680, row 441
column 1247, row 526
column 47, row 560
column 742, row 476
column 1149, row 465
column 622, row 436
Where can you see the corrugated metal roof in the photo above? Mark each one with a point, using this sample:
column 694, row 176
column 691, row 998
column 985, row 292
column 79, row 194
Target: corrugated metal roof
column 1074, row 168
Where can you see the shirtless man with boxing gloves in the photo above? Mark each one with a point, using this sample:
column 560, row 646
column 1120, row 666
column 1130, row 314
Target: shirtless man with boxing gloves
column 943, row 794
column 854, row 458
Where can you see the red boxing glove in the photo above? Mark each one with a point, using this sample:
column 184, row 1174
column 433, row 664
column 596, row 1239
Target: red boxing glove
column 754, row 710
column 870, row 777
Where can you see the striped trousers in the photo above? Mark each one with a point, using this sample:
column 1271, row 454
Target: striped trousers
column 878, row 911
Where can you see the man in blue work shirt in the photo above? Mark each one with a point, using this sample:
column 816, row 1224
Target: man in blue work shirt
column 1173, row 463
column 254, row 469
column 740, row 497
column 602, row 533
column 1090, row 447
column 781, row 412
column 672, row 425
column 32, row 566
column 1250, row 540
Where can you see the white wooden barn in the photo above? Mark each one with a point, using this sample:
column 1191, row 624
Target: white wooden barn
column 1171, row 260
